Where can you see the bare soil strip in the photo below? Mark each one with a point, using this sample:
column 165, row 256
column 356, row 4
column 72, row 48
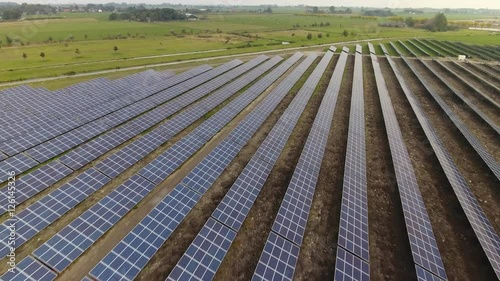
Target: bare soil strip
column 390, row 253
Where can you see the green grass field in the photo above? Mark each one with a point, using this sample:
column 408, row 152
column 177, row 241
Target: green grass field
column 95, row 37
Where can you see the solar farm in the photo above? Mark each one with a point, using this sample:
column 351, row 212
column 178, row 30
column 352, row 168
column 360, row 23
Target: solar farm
column 341, row 164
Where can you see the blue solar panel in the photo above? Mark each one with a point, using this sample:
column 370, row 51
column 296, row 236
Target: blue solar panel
column 127, row 259
column 422, row 240
column 291, row 220
column 18, row 163
column 199, row 179
column 349, row 267
column 30, row 269
column 39, row 215
column 353, row 230
column 204, row 255
column 31, row 184
column 63, row 248
column 424, row 275
column 236, row 205
column 278, row 259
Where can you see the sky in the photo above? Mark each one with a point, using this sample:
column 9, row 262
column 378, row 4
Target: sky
column 490, row 4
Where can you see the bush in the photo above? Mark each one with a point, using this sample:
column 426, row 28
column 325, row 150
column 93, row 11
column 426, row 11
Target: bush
column 309, row 36
column 320, row 35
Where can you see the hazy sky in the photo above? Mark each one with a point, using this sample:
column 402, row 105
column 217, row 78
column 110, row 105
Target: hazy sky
column 491, row 4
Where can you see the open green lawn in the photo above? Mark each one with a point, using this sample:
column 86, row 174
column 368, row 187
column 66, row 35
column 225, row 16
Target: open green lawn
column 95, row 36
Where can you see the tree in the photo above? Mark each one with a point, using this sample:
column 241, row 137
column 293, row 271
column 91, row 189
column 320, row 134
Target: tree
column 77, row 51
column 409, row 21
column 315, row 10
column 345, row 33
column 269, row 10
column 439, row 22
column 115, row 48
column 86, row 36
column 332, row 9
column 25, row 55
column 42, row 54
column 113, row 16
column 309, row 36
column 8, row 40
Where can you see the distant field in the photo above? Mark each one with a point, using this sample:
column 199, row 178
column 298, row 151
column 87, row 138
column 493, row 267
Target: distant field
column 95, row 37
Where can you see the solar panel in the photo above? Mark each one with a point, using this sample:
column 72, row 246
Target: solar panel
column 349, row 267
column 199, row 179
column 278, row 259
column 488, row 238
column 42, row 213
column 18, row 163
column 31, row 184
column 424, row 275
column 290, row 223
column 132, row 253
column 294, row 210
column 30, row 269
column 64, row 247
column 211, row 244
column 353, row 230
column 236, row 205
column 422, row 240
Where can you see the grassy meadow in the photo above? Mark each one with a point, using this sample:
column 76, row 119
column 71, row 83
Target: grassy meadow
column 158, row 42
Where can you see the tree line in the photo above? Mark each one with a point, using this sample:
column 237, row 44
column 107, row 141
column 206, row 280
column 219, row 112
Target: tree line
column 15, row 12
column 135, row 14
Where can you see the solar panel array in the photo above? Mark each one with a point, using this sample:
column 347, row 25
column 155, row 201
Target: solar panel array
column 429, row 47
column 488, row 238
column 85, row 230
column 353, row 229
column 474, row 108
column 284, row 241
column 115, row 265
column 483, row 81
column 439, row 47
column 26, row 133
column 471, row 49
column 235, row 206
column 192, row 114
column 418, row 226
column 84, row 154
column 72, row 138
column 412, row 53
column 449, row 47
column 488, row 159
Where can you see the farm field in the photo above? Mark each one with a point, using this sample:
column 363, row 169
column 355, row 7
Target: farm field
column 151, row 43
column 366, row 160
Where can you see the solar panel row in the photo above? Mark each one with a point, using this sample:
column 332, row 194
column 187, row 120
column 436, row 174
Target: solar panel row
column 203, row 257
column 471, row 50
column 24, row 225
column 418, row 48
column 423, row 244
column 412, row 53
column 284, row 241
column 114, row 265
column 488, row 159
column 353, row 229
column 488, row 238
column 425, row 44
